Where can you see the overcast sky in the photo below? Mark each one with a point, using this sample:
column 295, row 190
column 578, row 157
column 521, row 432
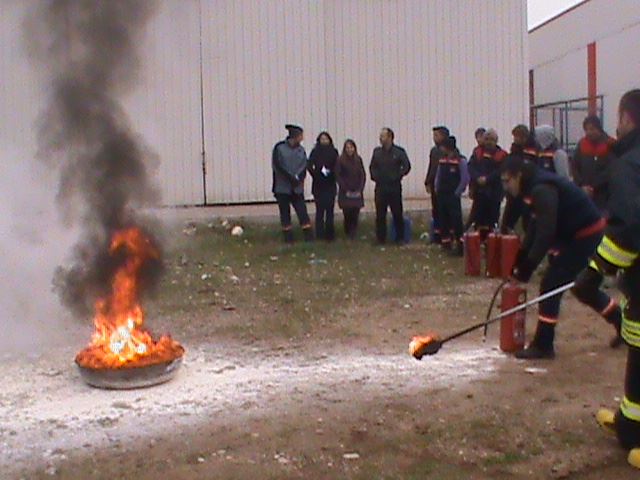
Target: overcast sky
column 541, row 10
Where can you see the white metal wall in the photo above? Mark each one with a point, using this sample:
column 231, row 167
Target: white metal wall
column 349, row 66
column 558, row 53
column 353, row 66
column 166, row 108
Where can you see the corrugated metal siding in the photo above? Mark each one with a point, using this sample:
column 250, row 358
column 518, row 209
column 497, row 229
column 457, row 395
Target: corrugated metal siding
column 353, row 66
column 559, row 54
column 166, row 108
column 263, row 67
column 349, row 66
column 618, row 70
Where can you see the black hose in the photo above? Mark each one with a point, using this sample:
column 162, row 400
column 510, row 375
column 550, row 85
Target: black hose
column 490, row 310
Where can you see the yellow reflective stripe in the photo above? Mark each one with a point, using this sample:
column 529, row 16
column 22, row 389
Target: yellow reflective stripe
column 630, row 409
column 630, row 332
column 615, row 255
column 594, row 265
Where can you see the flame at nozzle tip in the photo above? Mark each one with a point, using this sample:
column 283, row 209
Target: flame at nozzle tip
column 419, row 343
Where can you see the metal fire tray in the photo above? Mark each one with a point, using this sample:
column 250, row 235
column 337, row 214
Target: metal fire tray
column 130, row 378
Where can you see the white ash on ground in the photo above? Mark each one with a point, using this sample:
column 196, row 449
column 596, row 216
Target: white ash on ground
column 58, row 413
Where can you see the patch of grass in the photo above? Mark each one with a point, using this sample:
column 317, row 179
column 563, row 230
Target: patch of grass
column 292, row 290
column 504, row 459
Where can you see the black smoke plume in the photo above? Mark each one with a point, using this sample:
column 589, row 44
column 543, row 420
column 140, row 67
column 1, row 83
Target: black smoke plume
column 89, row 54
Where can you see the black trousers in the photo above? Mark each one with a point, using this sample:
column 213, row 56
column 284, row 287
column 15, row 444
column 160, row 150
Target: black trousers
column 435, row 216
column 628, row 430
column 485, row 211
column 351, row 221
column 285, row 202
column 564, row 266
column 450, row 216
column 325, row 204
column 389, row 200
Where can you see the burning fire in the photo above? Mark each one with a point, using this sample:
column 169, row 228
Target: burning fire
column 119, row 340
column 419, row 344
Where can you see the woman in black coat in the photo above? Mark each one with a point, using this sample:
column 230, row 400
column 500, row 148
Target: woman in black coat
column 321, row 166
column 351, row 177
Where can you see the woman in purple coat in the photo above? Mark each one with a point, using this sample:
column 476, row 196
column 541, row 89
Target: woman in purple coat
column 351, row 177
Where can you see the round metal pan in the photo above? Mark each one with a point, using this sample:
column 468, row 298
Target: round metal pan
column 129, row 378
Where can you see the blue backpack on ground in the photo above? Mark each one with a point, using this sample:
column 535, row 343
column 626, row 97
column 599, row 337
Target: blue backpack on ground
column 407, row 231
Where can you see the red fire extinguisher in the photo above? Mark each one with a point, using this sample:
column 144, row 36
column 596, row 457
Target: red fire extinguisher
column 493, row 268
column 472, row 257
column 509, row 246
column 512, row 328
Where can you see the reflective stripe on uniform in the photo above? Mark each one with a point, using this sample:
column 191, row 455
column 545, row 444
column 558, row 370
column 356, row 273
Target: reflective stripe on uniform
column 550, row 320
column 630, row 331
column 615, row 255
column 630, row 409
column 594, row 265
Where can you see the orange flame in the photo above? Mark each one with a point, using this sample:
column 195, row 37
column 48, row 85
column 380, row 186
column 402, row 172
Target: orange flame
column 419, row 343
column 119, row 340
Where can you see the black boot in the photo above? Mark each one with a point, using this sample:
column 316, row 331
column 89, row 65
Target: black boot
column 541, row 347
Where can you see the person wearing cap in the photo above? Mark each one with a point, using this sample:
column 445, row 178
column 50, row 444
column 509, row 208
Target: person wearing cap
column 592, row 162
column 289, row 165
column 440, row 134
column 551, row 157
column 484, row 170
column 451, row 181
column 389, row 165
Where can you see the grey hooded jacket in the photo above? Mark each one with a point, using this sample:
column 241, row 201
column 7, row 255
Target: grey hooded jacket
column 546, row 137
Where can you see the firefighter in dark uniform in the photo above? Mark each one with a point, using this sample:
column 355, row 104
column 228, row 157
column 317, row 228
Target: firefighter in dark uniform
column 524, row 145
column 440, row 134
column 484, row 169
column 289, row 165
column 568, row 227
column 452, row 179
column 619, row 251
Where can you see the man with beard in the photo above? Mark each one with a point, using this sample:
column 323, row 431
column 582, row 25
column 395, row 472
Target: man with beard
column 440, row 134
column 289, row 165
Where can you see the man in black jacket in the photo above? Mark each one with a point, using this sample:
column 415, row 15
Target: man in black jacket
column 620, row 251
column 289, row 165
column 566, row 226
column 389, row 164
column 440, row 134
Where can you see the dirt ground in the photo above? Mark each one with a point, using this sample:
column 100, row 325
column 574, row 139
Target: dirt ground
column 297, row 367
